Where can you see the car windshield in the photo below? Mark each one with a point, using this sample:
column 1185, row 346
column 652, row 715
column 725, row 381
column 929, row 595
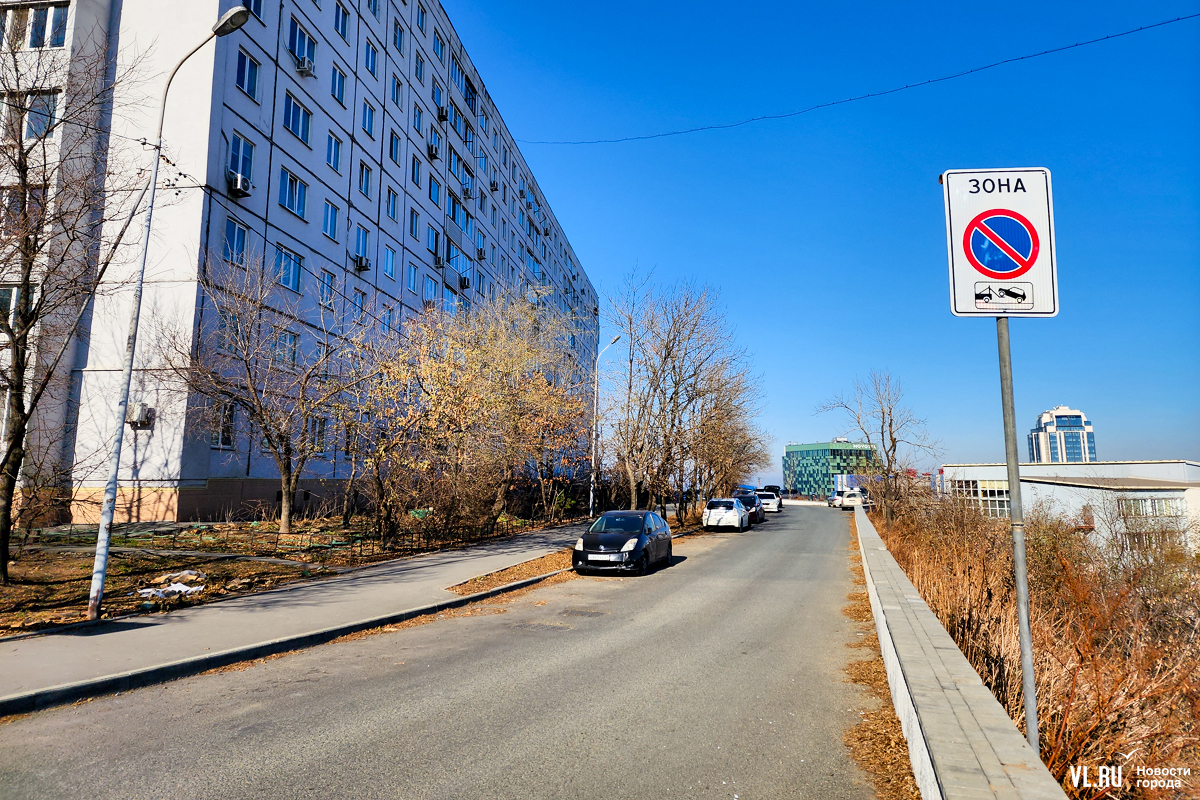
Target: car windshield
column 720, row 504
column 625, row 523
column 766, row 495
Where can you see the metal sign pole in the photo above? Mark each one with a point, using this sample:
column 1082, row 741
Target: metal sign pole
column 1028, row 684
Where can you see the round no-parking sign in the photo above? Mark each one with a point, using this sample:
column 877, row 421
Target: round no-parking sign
column 1000, row 237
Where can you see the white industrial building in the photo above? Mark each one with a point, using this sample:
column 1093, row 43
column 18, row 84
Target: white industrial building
column 1111, row 497
column 351, row 144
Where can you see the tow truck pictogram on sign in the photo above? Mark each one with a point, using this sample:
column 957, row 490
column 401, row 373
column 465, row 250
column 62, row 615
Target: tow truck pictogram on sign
column 1001, row 244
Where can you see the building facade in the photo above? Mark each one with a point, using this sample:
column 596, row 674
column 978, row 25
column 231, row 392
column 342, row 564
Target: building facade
column 352, row 148
column 1062, row 435
column 820, row 468
column 1114, row 498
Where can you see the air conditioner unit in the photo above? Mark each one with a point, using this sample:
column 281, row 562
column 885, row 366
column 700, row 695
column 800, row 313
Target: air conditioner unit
column 362, row 263
column 546, row 230
column 464, row 282
column 438, row 261
column 467, row 193
column 521, row 193
column 529, row 204
column 433, row 152
column 140, row 415
column 443, row 114
column 306, row 67
column 480, row 253
column 494, row 186
column 239, row 185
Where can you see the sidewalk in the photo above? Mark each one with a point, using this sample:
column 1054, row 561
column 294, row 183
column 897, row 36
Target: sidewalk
column 112, row 656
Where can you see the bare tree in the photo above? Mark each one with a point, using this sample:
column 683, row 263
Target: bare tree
column 897, row 436
column 60, row 189
column 271, row 363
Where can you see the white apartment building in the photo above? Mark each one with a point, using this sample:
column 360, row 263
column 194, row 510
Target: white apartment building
column 350, row 143
column 1062, row 435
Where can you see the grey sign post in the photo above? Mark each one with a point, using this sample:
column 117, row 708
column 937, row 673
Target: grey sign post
column 1000, row 237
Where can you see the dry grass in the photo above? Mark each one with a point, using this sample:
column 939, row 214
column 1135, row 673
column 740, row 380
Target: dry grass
column 50, row 588
column 1116, row 643
column 877, row 742
column 529, row 569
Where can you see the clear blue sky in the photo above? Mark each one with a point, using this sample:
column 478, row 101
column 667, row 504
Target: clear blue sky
column 825, row 232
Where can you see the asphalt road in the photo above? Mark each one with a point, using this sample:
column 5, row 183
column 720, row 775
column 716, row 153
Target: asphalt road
column 717, row 677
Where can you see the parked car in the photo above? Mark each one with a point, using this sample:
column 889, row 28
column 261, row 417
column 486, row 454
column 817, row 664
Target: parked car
column 773, row 488
column 753, row 505
column 838, row 497
column 851, row 498
column 770, row 500
column 725, row 512
column 630, row 541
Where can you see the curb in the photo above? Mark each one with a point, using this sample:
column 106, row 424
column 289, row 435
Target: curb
column 125, row 681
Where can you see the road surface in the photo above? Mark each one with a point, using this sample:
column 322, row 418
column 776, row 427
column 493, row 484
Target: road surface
column 719, row 677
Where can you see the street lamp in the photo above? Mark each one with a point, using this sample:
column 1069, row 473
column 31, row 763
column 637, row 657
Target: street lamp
column 229, row 22
column 596, row 428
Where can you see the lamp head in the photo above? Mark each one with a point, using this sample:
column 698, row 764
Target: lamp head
column 614, row 339
column 231, row 20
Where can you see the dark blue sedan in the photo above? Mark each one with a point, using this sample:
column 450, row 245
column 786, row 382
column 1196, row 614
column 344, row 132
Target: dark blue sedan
column 626, row 541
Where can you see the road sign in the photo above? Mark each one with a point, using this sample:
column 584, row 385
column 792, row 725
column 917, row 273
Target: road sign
column 1000, row 237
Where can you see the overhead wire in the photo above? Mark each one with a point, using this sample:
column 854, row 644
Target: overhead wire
column 881, row 93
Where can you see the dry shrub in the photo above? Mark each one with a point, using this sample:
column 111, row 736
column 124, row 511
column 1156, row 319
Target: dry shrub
column 1116, row 643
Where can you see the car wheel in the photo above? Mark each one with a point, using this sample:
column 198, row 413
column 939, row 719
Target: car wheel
column 643, row 566
column 666, row 562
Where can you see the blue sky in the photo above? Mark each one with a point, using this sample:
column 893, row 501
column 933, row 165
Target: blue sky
column 825, row 232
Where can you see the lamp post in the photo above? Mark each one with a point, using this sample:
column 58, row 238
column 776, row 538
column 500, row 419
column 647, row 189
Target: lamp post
column 596, row 428
column 229, row 22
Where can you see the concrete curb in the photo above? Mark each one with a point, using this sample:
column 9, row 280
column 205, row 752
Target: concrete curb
column 961, row 742
column 124, row 681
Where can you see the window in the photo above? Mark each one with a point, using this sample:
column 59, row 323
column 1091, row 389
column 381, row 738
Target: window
column 230, row 336
column 436, row 94
column 300, row 43
column 371, row 58
column 47, row 26
column 397, row 91
column 40, row 116
column 374, row 6
column 241, row 156
column 392, row 201
column 293, row 192
column 340, row 17
column 287, row 267
column 389, row 262
column 255, row 7
column 430, row 290
column 416, row 118
column 235, row 242
column 449, row 300
column 419, row 69
column 432, row 239
column 394, row 148
column 329, row 226
column 364, row 178
column 368, row 119
column 222, row 435
column 421, row 17
column 362, row 241
column 416, row 171
column 296, row 118
column 318, row 427
column 412, row 277
column 398, row 36
column 328, row 286
column 414, row 223
column 359, row 301
column 337, row 86
column 247, row 74
column 439, row 47
column 385, row 320
column 333, row 152
column 435, row 191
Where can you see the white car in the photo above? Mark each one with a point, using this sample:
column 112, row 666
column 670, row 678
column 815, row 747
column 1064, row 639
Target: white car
column 725, row 512
column 849, row 499
column 770, row 501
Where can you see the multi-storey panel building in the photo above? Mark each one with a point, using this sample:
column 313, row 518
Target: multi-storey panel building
column 352, row 148
column 1062, row 435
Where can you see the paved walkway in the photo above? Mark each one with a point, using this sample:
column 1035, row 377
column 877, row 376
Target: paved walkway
column 142, row 642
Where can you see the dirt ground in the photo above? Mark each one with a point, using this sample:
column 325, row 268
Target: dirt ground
column 876, row 743
column 49, row 588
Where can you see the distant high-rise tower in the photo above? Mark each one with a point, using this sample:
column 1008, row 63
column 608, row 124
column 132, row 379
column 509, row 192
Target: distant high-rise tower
column 1062, row 436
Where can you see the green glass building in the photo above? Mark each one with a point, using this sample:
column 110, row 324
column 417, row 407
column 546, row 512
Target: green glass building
column 818, row 469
